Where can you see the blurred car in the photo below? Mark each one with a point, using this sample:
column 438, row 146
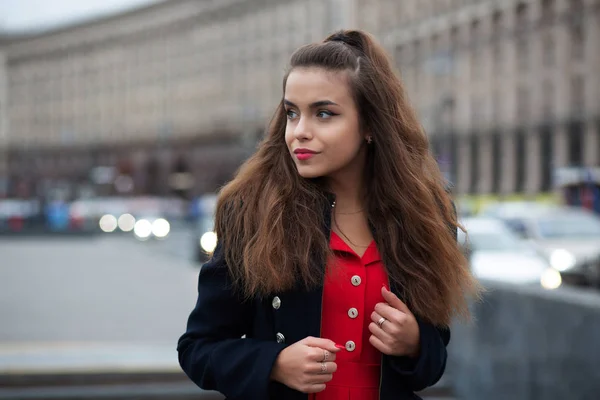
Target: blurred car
column 151, row 226
column 82, row 216
column 114, row 214
column 508, row 209
column 205, row 238
column 17, row 215
column 496, row 253
column 569, row 237
column 122, row 214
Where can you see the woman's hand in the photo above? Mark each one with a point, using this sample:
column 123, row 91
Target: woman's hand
column 306, row 365
column 398, row 335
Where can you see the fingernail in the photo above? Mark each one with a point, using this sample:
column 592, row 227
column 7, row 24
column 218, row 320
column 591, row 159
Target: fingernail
column 340, row 346
column 386, row 288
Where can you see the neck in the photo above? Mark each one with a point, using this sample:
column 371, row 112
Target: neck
column 348, row 199
column 349, row 189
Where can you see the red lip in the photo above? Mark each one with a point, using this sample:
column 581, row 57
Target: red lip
column 304, row 151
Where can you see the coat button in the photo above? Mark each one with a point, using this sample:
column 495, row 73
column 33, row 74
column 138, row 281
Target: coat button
column 353, row 313
column 355, row 280
column 276, row 303
column 281, row 338
column 350, row 345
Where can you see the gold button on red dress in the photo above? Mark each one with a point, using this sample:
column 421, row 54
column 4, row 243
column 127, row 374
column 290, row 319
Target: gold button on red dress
column 352, row 288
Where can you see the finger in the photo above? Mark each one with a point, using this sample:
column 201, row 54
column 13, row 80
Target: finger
column 388, row 312
column 379, row 345
column 330, row 356
column 380, row 333
column 317, row 354
column 319, row 379
column 376, row 317
column 394, row 301
column 316, row 388
column 316, row 368
column 324, row 344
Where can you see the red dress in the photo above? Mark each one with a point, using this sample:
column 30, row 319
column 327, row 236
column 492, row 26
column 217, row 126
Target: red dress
column 352, row 288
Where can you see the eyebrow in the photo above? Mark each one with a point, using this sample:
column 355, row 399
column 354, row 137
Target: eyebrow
column 316, row 104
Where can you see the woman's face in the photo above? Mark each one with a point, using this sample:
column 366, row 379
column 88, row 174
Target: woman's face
column 322, row 132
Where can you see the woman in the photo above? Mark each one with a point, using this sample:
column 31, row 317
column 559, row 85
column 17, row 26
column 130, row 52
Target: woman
column 341, row 200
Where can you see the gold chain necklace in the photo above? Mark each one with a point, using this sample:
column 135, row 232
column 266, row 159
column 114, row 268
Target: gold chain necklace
column 346, row 237
column 351, row 213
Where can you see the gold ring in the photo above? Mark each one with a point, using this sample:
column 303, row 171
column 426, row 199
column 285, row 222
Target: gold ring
column 381, row 321
column 325, row 355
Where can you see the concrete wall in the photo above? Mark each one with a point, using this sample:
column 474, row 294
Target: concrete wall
column 528, row 343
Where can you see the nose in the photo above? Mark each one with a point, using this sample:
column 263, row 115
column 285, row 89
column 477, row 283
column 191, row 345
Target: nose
column 302, row 129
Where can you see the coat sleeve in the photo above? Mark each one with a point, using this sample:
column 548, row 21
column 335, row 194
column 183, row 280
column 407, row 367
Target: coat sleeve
column 212, row 351
column 429, row 367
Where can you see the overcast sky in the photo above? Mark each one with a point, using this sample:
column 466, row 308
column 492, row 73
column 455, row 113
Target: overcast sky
column 19, row 15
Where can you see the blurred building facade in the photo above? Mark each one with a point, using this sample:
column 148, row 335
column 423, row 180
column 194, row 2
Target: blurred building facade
column 171, row 95
column 3, row 127
column 176, row 94
column 508, row 90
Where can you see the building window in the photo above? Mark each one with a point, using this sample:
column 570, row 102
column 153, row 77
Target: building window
column 416, row 65
column 549, row 49
column 522, row 105
column 476, row 110
column 598, row 133
column 475, row 32
column 454, row 44
column 577, row 96
column 435, row 146
column 475, row 50
column 521, row 16
column 399, row 56
column 546, row 156
column 496, row 106
column 453, row 158
column 476, row 64
column 497, row 29
column 416, row 56
column 547, row 12
column 547, row 101
column 474, row 151
column 521, row 38
column 444, row 148
column 454, row 38
column 497, row 152
column 575, row 143
column 435, row 43
column 577, row 41
column 497, row 21
column 522, row 53
column 521, row 167
column 577, row 31
column 447, row 114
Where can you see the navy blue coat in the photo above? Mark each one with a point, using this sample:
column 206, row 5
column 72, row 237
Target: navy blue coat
column 214, row 355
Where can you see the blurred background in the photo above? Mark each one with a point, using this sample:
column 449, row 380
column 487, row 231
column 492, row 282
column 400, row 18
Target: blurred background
column 120, row 119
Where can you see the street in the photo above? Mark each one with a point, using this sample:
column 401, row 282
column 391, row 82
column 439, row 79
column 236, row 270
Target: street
column 97, row 303
column 101, row 289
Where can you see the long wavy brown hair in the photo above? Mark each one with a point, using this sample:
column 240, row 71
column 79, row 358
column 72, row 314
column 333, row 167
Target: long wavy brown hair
column 270, row 220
